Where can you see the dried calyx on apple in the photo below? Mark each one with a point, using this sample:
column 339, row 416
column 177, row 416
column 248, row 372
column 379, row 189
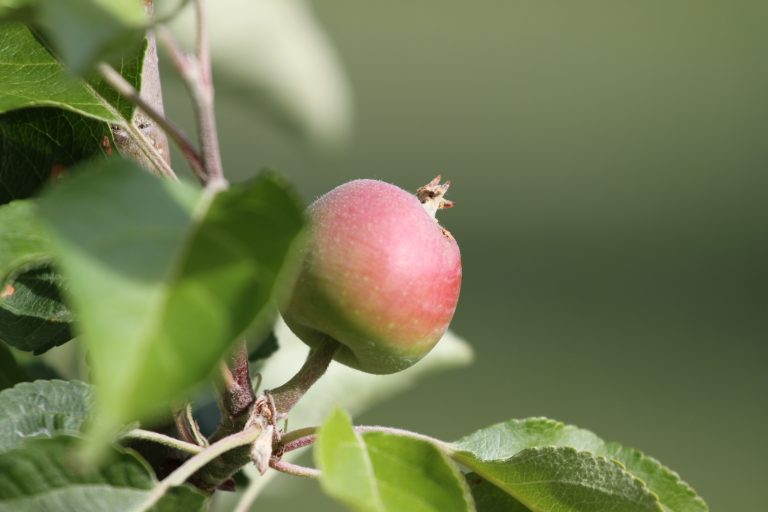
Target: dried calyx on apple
column 379, row 275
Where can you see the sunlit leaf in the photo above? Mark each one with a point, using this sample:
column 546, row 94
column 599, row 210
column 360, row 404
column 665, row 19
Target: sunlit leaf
column 31, row 77
column 163, row 279
column 501, row 443
column 561, row 479
column 382, row 472
column 103, row 27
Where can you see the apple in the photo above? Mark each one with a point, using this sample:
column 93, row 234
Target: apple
column 379, row 275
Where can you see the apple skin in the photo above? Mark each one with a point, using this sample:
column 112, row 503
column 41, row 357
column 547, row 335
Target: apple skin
column 379, row 275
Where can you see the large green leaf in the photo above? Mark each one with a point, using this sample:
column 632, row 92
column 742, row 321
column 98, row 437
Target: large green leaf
column 41, row 475
column 164, row 280
column 102, row 27
column 10, row 372
column 43, row 408
column 505, row 440
column 562, row 479
column 382, row 472
column 31, row 77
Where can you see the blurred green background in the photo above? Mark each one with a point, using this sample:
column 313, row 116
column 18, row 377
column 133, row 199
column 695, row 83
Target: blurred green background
column 609, row 168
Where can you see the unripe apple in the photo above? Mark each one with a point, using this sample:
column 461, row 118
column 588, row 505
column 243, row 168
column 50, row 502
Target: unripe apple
column 379, row 275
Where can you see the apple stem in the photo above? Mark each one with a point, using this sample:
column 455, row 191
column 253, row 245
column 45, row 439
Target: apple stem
column 288, row 395
column 432, row 197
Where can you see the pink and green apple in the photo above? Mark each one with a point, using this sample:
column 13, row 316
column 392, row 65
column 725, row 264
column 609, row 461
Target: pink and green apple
column 379, row 275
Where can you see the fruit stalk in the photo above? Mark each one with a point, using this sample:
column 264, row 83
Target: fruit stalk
column 286, row 396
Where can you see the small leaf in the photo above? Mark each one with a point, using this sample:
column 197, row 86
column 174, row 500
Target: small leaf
column 10, row 372
column 342, row 457
column 489, row 498
column 42, row 408
column 162, row 280
column 42, row 475
column 505, row 440
column 383, row 472
column 36, row 293
column 32, row 314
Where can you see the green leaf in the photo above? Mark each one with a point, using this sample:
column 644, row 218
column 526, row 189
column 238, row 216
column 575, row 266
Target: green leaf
column 164, row 280
column 42, row 408
column 31, row 77
column 103, row 27
column 130, row 65
column 383, row 472
column 561, row 479
column 38, row 145
column 32, row 314
column 10, row 372
column 505, row 440
column 42, row 475
column 23, row 241
column 489, row 498
column 674, row 494
column 36, row 293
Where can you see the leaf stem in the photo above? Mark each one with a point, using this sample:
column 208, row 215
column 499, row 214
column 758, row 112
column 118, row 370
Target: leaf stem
column 191, row 466
column 122, row 86
column 155, row 437
column 293, row 469
column 306, row 436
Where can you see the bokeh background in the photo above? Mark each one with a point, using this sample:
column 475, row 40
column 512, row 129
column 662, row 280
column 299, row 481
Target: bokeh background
column 610, row 169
